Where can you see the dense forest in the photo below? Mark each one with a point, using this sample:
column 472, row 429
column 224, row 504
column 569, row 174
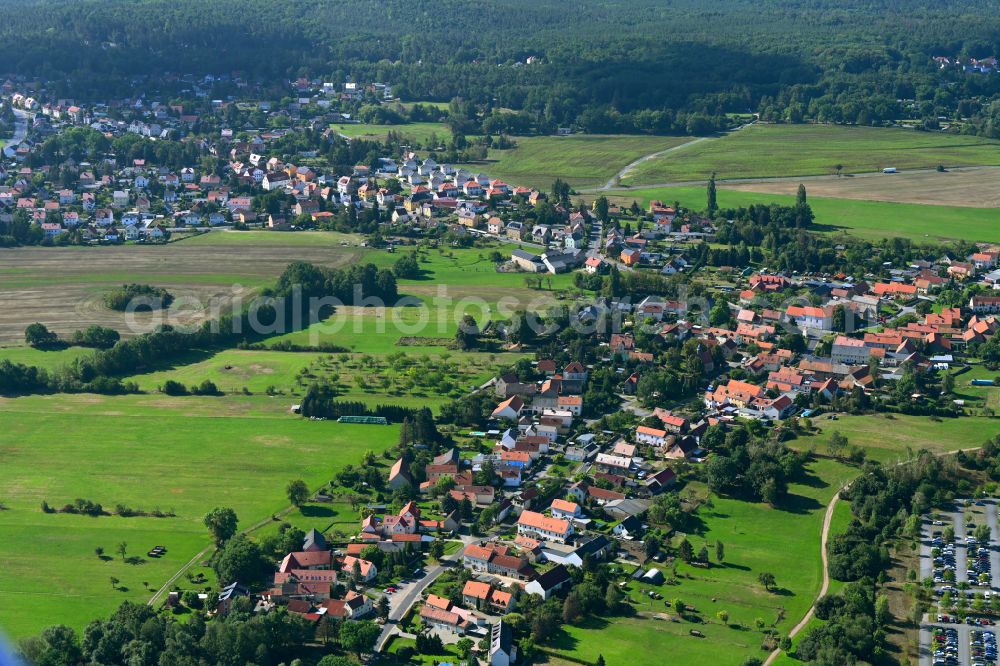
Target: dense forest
column 606, row 65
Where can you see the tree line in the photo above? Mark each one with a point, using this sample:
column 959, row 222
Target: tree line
column 280, row 309
column 597, row 67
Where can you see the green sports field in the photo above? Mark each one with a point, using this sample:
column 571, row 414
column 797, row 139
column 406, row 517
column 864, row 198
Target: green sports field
column 866, row 219
column 764, row 150
column 185, row 455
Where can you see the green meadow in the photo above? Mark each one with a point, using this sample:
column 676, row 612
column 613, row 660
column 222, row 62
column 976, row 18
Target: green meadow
column 783, row 541
column 48, row 359
column 890, row 437
column 182, row 455
column 580, row 159
column 454, row 282
column 866, row 219
column 978, row 396
column 757, row 538
column 185, row 455
column 765, row 150
column 419, row 132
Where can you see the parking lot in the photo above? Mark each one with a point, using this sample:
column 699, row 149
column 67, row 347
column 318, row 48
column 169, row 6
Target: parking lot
column 962, row 567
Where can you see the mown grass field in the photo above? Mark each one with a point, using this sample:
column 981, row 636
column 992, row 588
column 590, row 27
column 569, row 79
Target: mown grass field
column 187, row 455
column 454, row 282
column 865, row 219
column 841, row 519
column 581, row 159
column 978, row 396
column 803, row 150
column 48, row 359
column 757, row 538
column 783, row 541
column 333, row 239
column 888, row 438
column 974, row 187
column 419, row 132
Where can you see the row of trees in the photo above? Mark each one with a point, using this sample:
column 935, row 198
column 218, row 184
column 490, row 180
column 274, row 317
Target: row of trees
column 136, row 634
column 283, row 308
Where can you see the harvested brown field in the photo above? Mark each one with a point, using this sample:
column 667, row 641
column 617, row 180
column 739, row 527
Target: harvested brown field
column 63, row 287
column 977, row 187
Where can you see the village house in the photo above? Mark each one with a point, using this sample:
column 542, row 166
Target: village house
column 809, row 317
column 485, row 597
column 368, row 570
column 565, row 510
column 539, row 526
column 509, row 409
column 985, row 304
column 734, row 392
column 550, row 582
column 651, row 436
column 850, row 351
column 657, row 483
column 354, row 606
column 496, row 559
column 399, row 475
column 439, row 613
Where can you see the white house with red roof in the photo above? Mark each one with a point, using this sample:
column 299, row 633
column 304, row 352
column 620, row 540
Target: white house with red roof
column 810, row 317
column 540, row 526
column 510, row 408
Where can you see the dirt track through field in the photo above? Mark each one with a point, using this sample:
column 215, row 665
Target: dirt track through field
column 63, row 287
